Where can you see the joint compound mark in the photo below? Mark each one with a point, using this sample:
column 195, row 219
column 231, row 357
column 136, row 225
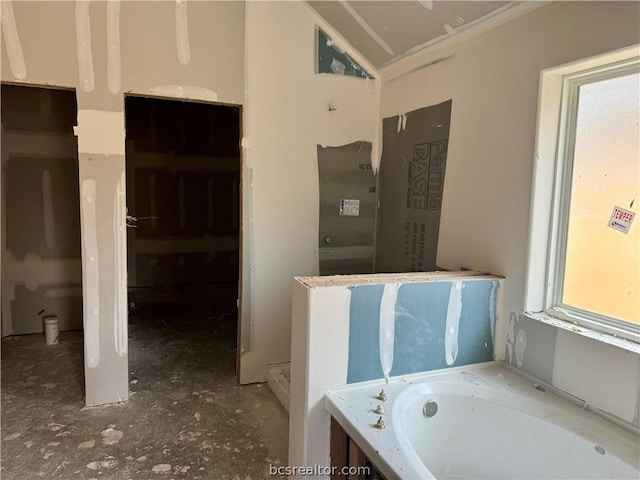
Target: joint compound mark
column 12, row 41
column 83, row 36
column 182, row 33
column 454, row 311
column 120, row 242
column 113, row 46
column 47, row 208
column 185, row 91
column 387, row 327
column 520, row 347
column 90, row 274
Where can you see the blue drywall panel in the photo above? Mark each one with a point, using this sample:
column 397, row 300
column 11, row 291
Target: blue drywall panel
column 475, row 344
column 420, row 321
column 364, row 341
column 421, row 311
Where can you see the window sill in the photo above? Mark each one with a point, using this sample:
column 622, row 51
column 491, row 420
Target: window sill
column 607, row 338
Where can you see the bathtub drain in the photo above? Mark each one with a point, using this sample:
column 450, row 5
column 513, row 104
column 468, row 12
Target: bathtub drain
column 599, row 449
column 430, row 408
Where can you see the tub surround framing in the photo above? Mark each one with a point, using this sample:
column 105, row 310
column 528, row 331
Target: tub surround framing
column 341, row 335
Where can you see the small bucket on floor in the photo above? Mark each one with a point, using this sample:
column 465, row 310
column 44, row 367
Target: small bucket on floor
column 51, row 330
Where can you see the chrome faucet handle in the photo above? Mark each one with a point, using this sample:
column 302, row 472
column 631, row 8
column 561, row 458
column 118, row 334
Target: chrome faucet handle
column 382, row 396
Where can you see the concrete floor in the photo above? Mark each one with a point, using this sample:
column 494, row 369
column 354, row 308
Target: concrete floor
column 187, row 417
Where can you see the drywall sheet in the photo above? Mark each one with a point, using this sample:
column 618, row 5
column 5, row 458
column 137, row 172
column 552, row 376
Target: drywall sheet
column 63, row 301
column 412, row 173
column 347, row 209
column 432, row 327
column 333, row 60
column 43, row 207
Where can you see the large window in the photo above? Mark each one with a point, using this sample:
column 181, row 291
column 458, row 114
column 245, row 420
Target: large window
column 589, row 152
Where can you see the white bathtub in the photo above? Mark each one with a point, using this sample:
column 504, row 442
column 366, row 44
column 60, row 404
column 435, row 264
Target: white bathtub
column 490, row 423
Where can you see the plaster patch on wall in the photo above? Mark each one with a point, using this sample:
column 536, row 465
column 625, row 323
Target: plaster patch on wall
column 520, row 347
column 182, row 33
column 185, row 91
column 31, row 271
column 63, row 292
column 452, row 324
column 12, row 41
column 83, row 38
column 114, row 76
column 511, row 336
column 387, row 327
column 402, row 122
column 120, row 240
column 492, row 310
column 100, row 131
column 90, row 273
column 47, row 207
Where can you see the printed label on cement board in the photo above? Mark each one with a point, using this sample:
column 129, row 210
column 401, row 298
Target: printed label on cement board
column 621, row 219
column 426, row 176
column 349, row 207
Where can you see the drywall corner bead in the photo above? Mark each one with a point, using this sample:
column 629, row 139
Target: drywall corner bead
column 83, row 38
column 100, row 132
column 114, row 76
column 120, row 242
column 182, row 33
column 185, row 91
column 12, row 41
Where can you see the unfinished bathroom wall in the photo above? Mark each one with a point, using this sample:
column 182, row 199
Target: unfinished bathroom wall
column 347, row 209
column 290, row 110
column 41, row 272
column 493, row 80
column 103, row 49
column 412, row 176
column 353, row 328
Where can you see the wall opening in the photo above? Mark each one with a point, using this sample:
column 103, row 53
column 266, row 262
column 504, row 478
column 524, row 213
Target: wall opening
column 183, row 217
column 41, row 247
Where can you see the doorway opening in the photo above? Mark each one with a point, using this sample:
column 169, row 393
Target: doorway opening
column 41, row 246
column 183, row 236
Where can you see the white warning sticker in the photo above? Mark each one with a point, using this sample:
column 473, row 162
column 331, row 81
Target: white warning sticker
column 349, row 207
column 621, row 219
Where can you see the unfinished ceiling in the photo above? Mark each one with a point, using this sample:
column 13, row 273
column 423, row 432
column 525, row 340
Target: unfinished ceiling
column 385, row 31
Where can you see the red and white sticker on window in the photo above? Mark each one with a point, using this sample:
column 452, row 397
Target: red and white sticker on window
column 621, row 219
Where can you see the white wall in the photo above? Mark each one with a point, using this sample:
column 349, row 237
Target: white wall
column 286, row 116
column 45, row 51
column 493, row 81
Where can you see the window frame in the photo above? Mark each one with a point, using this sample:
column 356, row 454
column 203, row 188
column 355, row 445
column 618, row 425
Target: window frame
column 551, row 191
